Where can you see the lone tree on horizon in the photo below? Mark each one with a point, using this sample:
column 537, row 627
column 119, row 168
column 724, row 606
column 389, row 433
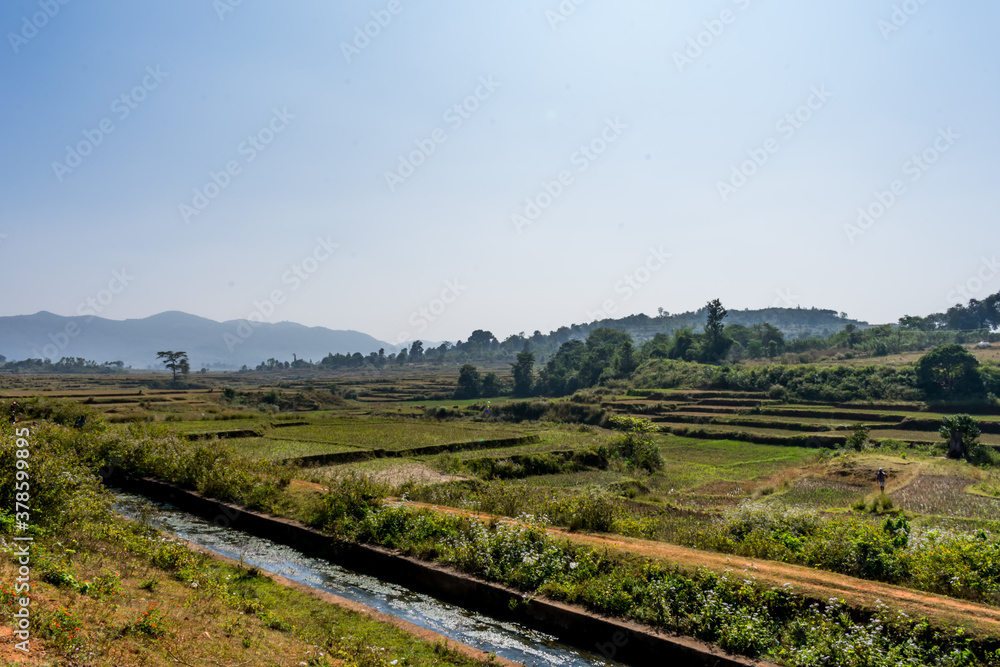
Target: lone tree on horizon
column 717, row 344
column 175, row 361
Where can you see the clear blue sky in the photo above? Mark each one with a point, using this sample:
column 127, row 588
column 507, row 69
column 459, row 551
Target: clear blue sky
column 666, row 121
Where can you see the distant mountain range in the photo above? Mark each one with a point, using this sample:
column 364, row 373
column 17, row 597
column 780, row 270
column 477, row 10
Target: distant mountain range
column 208, row 343
column 220, row 345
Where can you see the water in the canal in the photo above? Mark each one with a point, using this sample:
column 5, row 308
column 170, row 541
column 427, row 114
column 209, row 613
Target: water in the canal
column 508, row 640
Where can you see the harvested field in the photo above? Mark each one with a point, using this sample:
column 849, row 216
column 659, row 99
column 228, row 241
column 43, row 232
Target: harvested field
column 822, row 493
column 945, row 496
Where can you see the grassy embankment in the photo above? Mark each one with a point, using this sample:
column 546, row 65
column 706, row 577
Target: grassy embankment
column 107, row 591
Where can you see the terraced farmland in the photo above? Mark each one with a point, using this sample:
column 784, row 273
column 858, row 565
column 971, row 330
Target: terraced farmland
column 724, row 454
column 756, row 418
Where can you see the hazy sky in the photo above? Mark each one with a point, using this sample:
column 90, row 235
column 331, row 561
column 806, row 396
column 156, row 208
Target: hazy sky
column 512, row 166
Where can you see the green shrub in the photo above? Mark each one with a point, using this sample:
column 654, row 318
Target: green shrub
column 62, row 412
column 348, row 499
column 519, row 411
column 750, row 517
column 214, row 468
column 575, row 413
column 735, row 613
column 636, row 446
column 850, row 546
column 524, row 465
column 62, row 627
column 106, row 585
column 150, row 623
column 777, row 393
column 858, row 440
column 63, row 491
column 803, row 382
column 594, row 511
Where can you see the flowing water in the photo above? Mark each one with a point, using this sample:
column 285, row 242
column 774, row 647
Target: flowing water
column 508, row 640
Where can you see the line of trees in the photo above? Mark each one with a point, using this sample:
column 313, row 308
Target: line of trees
column 607, row 354
column 947, row 372
column 737, row 342
column 715, row 343
column 484, row 346
column 64, row 365
column 974, row 316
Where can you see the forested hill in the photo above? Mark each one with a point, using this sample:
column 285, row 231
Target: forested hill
column 231, row 344
column 793, row 322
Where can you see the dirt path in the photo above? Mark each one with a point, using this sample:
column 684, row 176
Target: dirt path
column 308, row 485
column 861, row 593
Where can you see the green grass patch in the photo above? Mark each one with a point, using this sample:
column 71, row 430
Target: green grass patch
column 392, row 434
column 274, row 449
column 729, row 452
column 579, row 479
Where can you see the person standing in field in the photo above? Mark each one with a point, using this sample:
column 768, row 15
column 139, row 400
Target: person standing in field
column 880, row 477
column 13, row 412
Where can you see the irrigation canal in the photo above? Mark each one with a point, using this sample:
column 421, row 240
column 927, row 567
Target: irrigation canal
column 507, row 639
